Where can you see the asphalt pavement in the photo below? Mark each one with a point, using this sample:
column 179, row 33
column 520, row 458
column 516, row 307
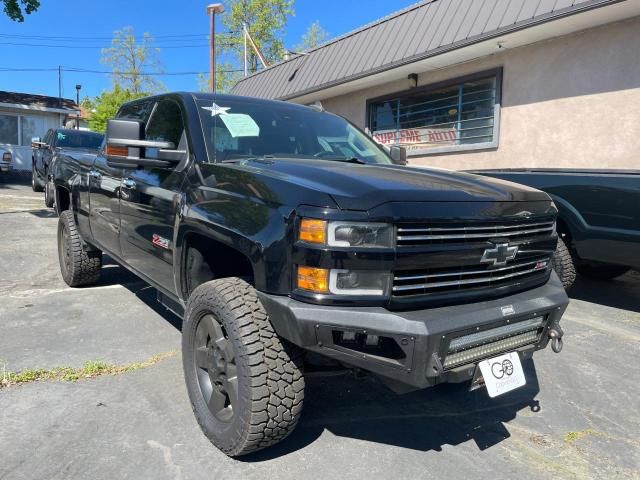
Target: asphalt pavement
column 577, row 417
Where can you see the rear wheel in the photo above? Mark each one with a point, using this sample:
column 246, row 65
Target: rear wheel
column 36, row 183
column 78, row 266
column 601, row 271
column 562, row 263
column 245, row 384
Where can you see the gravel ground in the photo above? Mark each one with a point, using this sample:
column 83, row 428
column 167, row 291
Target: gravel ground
column 577, row 417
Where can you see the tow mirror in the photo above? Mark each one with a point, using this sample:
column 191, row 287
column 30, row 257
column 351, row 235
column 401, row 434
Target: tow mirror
column 126, row 147
column 36, row 142
column 398, row 154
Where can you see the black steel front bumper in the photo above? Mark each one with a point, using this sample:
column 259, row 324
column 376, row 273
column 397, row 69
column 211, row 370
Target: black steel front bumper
column 417, row 342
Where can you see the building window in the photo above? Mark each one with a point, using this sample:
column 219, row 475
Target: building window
column 458, row 115
column 8, row 129
column 31, row 127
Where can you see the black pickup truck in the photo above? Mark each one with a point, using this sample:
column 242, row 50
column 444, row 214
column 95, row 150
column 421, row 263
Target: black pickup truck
column 599, row 217
column 57, row 142
column 287, row 239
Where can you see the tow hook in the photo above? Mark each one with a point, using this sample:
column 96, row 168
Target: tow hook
column 555, row 335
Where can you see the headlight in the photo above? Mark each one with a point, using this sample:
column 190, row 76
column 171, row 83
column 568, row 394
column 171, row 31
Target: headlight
column 349, row 282
column 361, row 235
column 343, row 282
column 346, row 234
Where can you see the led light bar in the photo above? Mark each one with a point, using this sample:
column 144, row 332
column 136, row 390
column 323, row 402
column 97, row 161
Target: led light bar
column 483, row 351
column 479, row 338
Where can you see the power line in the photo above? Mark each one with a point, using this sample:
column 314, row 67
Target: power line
column 109, row 72
column 41, row 45
column 75, row 38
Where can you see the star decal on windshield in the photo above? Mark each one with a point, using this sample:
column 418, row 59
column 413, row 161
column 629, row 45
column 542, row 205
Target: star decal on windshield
column 216, row 109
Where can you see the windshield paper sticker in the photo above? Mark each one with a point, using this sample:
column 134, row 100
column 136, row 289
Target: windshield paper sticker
column 216, row 109
column 240, row 125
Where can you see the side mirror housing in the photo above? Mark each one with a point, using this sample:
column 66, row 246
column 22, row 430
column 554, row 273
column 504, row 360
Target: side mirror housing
column 126, row 147
column 398, row 154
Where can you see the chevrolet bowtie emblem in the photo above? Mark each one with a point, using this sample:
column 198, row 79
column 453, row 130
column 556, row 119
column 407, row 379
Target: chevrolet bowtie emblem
column 499, row 255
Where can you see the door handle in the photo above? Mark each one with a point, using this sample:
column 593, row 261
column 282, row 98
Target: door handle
column 128, row 183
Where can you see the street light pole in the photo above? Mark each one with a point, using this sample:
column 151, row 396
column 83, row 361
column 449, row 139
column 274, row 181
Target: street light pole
column 211, row 11
column 78, row 87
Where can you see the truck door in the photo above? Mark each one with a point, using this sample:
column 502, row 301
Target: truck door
column 39, row 154
column 150, row 199
column 104, row 205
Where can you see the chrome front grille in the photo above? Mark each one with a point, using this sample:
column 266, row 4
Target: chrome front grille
column 416, row 235
column 468, row 277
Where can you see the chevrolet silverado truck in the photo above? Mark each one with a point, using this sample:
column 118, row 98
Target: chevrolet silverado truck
column 56, row 142
column 598, row 219
column 287, row 239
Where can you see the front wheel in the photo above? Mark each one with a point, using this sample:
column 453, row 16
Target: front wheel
column 245, row 384
column 49, row 194
column 78, row 265
column 562, row 263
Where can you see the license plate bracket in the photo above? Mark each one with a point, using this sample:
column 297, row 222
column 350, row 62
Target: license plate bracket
column 502, row 374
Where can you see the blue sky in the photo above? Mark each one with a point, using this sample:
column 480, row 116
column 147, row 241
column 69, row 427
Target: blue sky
column 161, row 18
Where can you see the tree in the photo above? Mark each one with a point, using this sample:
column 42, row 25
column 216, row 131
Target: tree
column 131, row 61
column 265, row 20
column 105, row 106
column 14, row 10
column 226, row 78
column 315, row 36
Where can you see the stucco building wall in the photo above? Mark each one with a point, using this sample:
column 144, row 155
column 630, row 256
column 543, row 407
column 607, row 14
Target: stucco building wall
column 568, row 102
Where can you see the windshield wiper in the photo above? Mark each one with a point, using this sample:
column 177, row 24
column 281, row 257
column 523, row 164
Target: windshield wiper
column 347, row 160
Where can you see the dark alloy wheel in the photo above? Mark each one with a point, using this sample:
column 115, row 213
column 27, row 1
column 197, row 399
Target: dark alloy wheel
column 245, row 384
column 216, row 367
column 78, row 265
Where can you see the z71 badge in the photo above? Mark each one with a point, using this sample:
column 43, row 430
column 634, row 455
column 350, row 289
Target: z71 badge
column 159, row 241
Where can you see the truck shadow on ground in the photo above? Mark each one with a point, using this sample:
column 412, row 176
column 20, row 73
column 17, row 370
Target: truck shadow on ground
column 425, row 420
column 114, row 274
column 622, row 292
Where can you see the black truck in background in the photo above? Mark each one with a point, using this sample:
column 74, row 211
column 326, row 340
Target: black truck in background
column 599, row 217
column 285, row 237
column 58, row 142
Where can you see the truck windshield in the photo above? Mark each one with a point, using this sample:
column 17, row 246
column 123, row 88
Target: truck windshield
column 237, row 129
column 78, row 139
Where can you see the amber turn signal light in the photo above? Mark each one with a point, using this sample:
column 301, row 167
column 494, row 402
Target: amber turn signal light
column 313, row 231
column 313, row 279
column 117, row 151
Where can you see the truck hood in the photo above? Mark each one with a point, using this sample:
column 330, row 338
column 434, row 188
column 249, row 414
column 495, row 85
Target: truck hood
column 363, row 187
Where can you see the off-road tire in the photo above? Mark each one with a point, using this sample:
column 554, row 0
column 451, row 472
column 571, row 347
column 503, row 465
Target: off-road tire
column 601, row 271
column 78, row 265
column 49, row 195
column 36, row 183
column 562, row 263
column 270, row 381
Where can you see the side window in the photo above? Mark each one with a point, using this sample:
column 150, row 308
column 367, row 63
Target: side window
column 48, row 137
column 166, row 123
column 135, row 111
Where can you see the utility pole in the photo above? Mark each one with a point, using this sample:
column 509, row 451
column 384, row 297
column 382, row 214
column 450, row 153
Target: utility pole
column 78, row 87
column 244, row 36
column 59, row 86
column 211, row 11
column 60, row 93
